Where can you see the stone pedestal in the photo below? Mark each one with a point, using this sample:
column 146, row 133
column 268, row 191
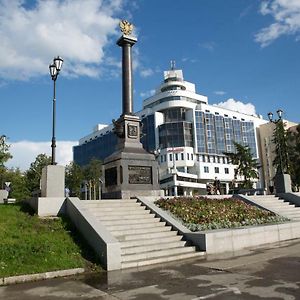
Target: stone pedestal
column 130, row 171
column 53, row 181
column 283, row 183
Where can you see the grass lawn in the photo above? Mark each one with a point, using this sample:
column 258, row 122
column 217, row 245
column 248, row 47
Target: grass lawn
column 201, row 213
column 31, row 245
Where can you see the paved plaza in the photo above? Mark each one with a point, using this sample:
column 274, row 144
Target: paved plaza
column 271, row 272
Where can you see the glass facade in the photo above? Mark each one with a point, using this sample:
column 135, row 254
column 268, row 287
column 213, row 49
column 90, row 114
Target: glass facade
column 220, row 138
column 215, row 134
column 98, row 148
column 200, row 131
column 175, row 134
column 148, row 133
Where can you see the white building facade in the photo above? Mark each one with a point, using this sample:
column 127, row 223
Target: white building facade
column 188, row 135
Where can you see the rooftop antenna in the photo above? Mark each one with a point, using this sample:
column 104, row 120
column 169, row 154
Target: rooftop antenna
column 172, row 64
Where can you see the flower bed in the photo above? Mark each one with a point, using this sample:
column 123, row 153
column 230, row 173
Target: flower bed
column 201, row 213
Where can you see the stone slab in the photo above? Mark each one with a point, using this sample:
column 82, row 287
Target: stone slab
column 53, row 181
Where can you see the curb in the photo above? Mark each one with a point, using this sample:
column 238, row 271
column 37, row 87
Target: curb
column 39, row 276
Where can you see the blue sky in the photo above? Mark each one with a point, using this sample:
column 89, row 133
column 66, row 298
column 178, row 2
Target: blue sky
column 246, row 50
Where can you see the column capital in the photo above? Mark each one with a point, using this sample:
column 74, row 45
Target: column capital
column 126, row 39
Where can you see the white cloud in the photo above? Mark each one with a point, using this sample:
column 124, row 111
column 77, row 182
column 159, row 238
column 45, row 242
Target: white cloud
column 209, row 45
column 25, row 152
column 286, row 14
column 74, row 29
column 147, row 94
column 235, row 105
column 146, row 72
column 219, row 93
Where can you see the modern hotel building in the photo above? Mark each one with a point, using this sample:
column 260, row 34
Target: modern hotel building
column 188, row 136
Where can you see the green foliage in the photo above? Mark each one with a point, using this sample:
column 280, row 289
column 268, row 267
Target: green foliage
column 93, row 170
column 202, row 213
column 18, row 185
column 4, row 157
column 34, row 174
column 4, row 151
column 74, row 178
column 246, row 164
column 281, row 160
column 31, row 245
column 293, row 142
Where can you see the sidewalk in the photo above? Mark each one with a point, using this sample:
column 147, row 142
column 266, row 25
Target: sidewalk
column 271, row 272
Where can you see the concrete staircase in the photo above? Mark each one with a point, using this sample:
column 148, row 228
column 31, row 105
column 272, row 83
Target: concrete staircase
column 278, row 206
column 144, row 239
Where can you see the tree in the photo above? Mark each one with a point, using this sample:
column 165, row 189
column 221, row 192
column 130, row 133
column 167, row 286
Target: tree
column 92, row 174
column 246, row 164
column 74, row 178
column 281, row 160
column 34, row 174
column 19, row 189
column 4, row 157
column 293, row 143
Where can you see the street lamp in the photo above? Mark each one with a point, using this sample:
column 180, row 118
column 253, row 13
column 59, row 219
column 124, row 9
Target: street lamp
column 275, row 121
column 54, row 69
column 282, row 178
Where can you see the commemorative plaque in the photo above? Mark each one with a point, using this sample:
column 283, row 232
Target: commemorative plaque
column 139, row 175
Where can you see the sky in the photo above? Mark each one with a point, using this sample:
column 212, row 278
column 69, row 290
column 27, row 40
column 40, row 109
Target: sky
column 242, row 54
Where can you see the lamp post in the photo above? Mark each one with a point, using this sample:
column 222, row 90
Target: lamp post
column 54, row 68
column 275, row 121
column 282, row 178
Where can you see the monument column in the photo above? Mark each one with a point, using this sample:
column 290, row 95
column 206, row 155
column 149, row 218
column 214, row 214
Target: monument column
column 126, row 42
column 130, row 171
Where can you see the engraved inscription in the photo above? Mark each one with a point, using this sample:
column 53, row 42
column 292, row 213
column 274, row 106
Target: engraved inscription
column 132, row 131
column 139, row 175
column 111, row 176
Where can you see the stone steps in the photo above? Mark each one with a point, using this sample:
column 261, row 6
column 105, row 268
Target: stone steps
column 128, row 232
column 157, row 253
column 150, row 241
column 143, row 238
column 163, row 259
column 279, row 206
column 152, row 247
column 114, row 227
column 107, row 217
column 125, row 222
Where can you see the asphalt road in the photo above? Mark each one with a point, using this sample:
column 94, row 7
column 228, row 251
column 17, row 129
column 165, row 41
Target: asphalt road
column 271, row 272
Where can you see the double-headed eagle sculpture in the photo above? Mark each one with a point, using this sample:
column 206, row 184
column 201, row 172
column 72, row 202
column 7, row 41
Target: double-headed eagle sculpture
column 126, row 27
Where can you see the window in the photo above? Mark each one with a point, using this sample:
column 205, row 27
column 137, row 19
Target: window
column 227, row 125
column 218, row 159
column 176, row 156
column 229, row 148
column 208, row 133
column 203, row 158
column 182, row 156
column 192, row 156
column 227, row 136
column 170, row 156
column 206, row 169
column 165, row 157
column 245, row 140
column 217, row 170
column 162, row 158
column 188, row 156
column 226, row 171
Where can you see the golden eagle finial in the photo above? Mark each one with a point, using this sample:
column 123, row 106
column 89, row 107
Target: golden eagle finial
column 126, row 27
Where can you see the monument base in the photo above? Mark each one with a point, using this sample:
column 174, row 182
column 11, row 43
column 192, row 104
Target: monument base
column 283, row 183
column 130, row 173
column 53, row 181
